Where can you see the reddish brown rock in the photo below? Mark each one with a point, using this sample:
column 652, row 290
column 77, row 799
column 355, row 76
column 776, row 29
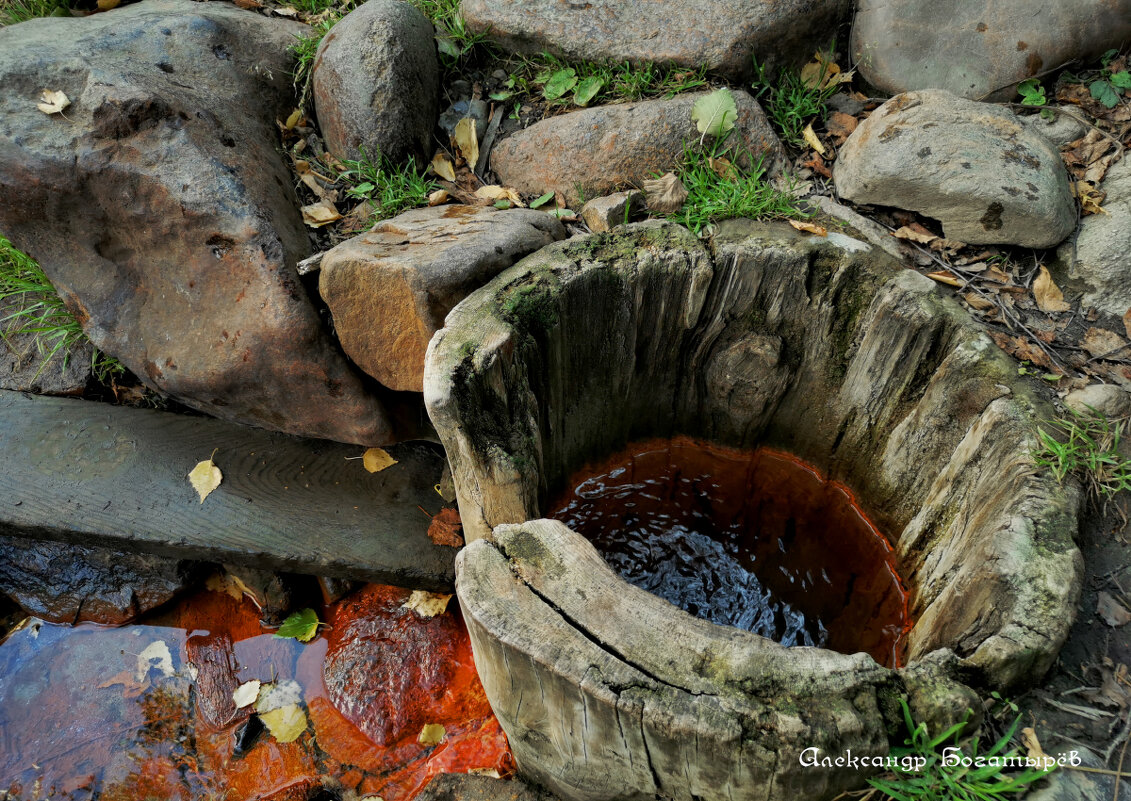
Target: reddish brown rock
column 599, row 150
column 391, row 288
column 722, row 34
column 162, row 212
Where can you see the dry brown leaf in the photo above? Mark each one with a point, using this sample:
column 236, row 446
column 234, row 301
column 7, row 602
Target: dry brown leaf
column 248, row 5
column 917, row 234
column 946, row 277
column 431, row 734
column 232, row 586
column 1101, row 342
column 723, row 168
column 979, row 303
column 442, row 166
column 840, row 125
column 287, row 11
column 316, row 215
column 1111, row 611
column 427, row 604
column 997, row 275
column 822, row 72
column 438, row 197
column 445, row 528
column 1031, row 744
column 665, row 194
column 314, row 186
column 812, row 140
column 377, row 459
column 1049, row 298
column 467, row 141
column 1021, row 349
column 1090, row 198
column 810, row 228
column 495, row 192
column 205, row 477
column 52, row 102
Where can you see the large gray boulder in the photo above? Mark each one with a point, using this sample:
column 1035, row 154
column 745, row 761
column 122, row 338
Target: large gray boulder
column 1103, row 244
column 159, row 207
column 598, row 150
column 721, row 34
column 376, row 82
column 977, row 49
column 390, row 289
column 972, row 166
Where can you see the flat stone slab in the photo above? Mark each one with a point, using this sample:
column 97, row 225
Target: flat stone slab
column 96, row 474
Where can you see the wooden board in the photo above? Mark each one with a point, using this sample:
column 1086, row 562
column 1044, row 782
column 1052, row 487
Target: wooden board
column 92, row 473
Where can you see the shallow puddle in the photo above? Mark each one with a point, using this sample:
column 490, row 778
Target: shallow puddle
column 753, row 539
column 146, row 711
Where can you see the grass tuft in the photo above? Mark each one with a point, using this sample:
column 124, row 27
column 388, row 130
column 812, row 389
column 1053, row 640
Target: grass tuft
column 928, row 769
column 14, row 11
column 33, row 307
column 589, row 82
column 1086, row 444
column 453, row 39
column 719, row 191
column 388, row 187
column 790, row 103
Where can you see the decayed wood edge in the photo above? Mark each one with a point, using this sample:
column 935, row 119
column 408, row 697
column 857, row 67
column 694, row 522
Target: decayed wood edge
column 91, row 473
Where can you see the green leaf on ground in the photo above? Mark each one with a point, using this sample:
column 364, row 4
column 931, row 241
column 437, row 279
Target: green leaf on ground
column 1121, row 79
column 559, row 83
column 300, row 626
column 1032, row 93
column 587, row 90
column 1104, row 93
column 714, row 114
column 542, row 201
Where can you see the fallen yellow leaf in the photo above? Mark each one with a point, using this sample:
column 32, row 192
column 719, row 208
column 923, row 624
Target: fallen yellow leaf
column 377, row 459
column 106, row 5
column 431, row 734
column 914, row 236
column 438, row 197
column 205, row 477
column 812, row 140
column 944, row 277
column 467, row 141
column 808, row 227
column 286, row 723
column 1032, row 744
column 442, row 166
column 496, row 192
column 52, row 102
column 1049, row 298
column 246, row 693
column 294, row 119
column 319, row 214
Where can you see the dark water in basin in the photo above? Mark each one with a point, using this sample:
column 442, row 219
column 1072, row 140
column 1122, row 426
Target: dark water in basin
column 752, row 539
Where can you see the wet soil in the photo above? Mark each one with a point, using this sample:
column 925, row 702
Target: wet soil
column 756, row 539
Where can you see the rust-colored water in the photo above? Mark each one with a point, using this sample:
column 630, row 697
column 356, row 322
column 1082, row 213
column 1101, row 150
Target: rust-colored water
column 78, row 720
column 753, row 539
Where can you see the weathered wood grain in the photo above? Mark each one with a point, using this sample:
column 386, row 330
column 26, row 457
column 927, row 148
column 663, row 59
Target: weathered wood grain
column 93, row 473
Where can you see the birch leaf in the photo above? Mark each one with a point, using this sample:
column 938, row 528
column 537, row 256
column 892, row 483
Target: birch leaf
column 714, row 114
column 154, row 656
column 442, row 166
column 1049, row 298
column 319, row 214
column 52, row 102
column 467, row 142
column 665, row 194
column 301, row 626
column 246, row 693
column 377, row 459
column 205, row 477
column 286, row 723
column 431, row 734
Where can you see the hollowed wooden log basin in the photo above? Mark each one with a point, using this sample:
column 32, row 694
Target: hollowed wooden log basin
column 823, row 348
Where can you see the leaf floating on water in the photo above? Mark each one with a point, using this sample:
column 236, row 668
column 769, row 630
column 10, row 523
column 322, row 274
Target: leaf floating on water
column 445, row 528
column 302, row 626
column 714, row 114
column 246, row 694
column 286, row 724
column 467, row 142
column 1049, row 298
column 377, row 459
column 205, row 477
column 431, row 734
column 52, row 102
column 155, row 656
column 665, row 194
column 427, row 604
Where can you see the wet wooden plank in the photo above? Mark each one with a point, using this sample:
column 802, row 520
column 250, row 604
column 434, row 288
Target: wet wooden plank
column 92, row 473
